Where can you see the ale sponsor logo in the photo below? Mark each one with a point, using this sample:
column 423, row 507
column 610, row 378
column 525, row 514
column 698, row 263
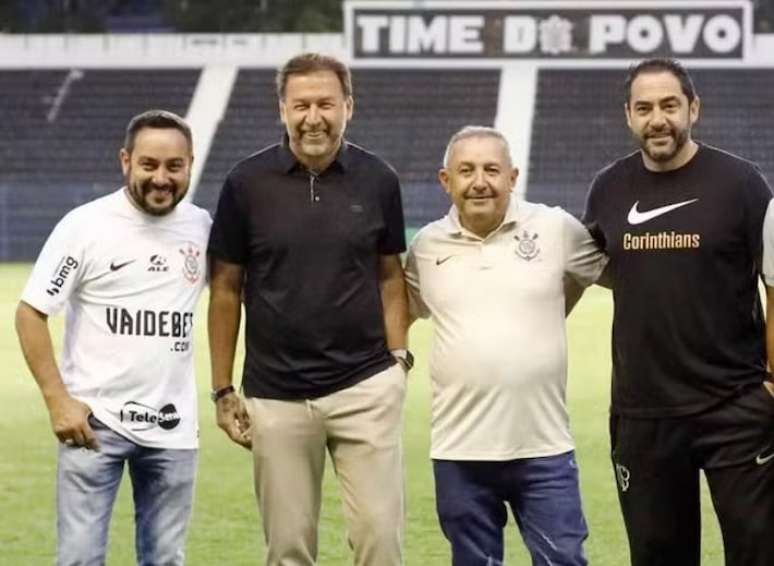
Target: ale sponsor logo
column 157, row 263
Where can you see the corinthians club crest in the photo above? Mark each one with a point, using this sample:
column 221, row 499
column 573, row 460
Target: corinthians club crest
column 191, row 264
column 526, row 248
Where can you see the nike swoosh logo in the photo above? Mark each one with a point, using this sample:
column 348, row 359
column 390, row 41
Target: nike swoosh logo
column 637, row 217
column 439, row 261
column 117, row 266
column 761, row 459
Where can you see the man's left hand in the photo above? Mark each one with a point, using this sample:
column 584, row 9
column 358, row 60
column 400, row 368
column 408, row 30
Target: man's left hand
column 232, row 417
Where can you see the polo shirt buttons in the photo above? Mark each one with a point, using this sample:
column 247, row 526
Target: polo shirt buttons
column 487, row 254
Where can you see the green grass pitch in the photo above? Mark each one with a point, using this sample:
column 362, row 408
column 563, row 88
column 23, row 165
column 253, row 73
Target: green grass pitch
column 225, row 529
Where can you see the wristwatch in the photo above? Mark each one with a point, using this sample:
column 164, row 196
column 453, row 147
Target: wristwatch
column 405, row 357
column 218, row 394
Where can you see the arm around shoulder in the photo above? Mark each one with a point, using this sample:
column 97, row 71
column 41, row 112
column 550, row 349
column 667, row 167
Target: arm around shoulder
column 585, row 261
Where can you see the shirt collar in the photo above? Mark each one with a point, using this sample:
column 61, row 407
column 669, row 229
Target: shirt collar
column 288, row 162
column 454, row 228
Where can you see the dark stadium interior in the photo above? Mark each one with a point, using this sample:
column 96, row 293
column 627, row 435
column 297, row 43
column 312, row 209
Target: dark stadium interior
column 579, row 125
column 60, row 131
column 405, row 116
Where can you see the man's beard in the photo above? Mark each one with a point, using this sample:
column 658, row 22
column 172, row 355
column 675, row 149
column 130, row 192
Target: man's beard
column 140, row 195
column 679, row 137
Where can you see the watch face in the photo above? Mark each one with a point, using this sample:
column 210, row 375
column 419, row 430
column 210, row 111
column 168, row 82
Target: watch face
column 407, row 359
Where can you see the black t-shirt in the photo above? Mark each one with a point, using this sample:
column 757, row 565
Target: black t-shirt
column 310, row 246
column 685, row 249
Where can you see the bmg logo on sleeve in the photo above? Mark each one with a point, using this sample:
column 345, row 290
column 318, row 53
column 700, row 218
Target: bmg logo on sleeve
column 64, row 268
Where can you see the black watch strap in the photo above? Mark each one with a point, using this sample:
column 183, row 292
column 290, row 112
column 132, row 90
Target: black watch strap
column 405, row 357
column 218, row 394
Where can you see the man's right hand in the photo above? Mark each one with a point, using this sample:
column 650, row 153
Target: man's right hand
column 70, row 422
column 233, row 418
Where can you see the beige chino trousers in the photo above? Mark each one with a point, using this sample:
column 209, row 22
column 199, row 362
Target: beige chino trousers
column 361, row 429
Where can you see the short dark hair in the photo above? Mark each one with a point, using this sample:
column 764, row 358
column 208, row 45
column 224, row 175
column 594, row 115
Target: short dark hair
column 162, row 119
column 660, row 65
column 306, row 63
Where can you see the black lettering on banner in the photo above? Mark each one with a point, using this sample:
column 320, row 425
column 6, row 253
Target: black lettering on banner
column 416, row 30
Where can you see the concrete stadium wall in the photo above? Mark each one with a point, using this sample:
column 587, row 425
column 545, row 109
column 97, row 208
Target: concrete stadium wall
column 18, row 51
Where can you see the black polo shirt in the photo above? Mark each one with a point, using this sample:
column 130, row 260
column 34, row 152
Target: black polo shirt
column 310, row 246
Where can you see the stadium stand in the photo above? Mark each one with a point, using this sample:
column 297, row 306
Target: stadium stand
column 60, row 132
column 579, row 125
column 406, row 116
column 251, row 122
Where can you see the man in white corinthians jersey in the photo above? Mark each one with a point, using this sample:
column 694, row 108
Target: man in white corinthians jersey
column 492, row 276
column 128, row 268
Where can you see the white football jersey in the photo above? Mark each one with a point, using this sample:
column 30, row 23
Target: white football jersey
column 129, row 283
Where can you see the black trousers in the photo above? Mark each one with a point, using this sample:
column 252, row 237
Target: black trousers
column 657, row 464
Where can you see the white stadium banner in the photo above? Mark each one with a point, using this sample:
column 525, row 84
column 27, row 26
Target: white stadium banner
column 549, row 30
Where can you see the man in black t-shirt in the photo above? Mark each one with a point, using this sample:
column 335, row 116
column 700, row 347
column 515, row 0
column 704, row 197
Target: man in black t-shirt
column 308, row 234
column 682, row 224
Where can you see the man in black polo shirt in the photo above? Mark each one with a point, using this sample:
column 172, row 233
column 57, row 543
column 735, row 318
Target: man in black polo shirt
column 308, row 232
column 682, row 224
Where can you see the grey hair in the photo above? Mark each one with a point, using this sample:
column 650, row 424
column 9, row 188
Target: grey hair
column 474, row 132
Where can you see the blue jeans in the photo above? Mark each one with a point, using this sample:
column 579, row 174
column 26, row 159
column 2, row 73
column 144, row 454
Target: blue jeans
column 87, row 483
column 543, row 495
